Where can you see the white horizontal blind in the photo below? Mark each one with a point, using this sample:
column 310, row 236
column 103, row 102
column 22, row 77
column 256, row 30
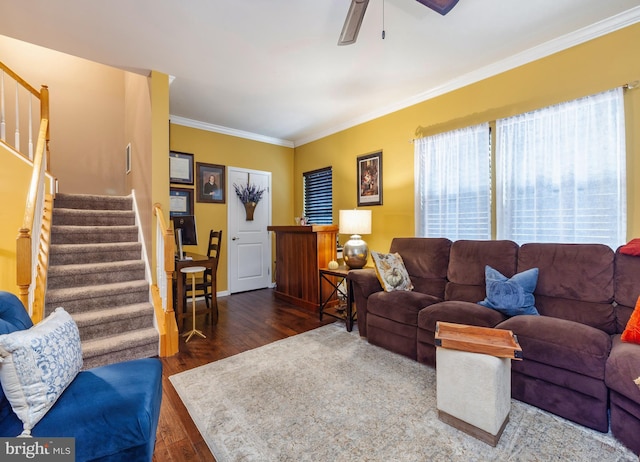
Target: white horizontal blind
column 318, row 196
column 561, row 173
column 453, row 184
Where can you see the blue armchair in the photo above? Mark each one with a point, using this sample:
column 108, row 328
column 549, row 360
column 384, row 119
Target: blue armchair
column 111, row 411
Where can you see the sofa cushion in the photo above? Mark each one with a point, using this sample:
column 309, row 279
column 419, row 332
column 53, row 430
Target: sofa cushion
column 399, row 306
column 38, row 364
column 626, row 287
column 111, row 411
column 561, row 344
column 466, row 272
column 623, row 367
column 631, row 333
column 391, row 271
column 511, row 296
column 575, row 282
column 426, row 260
column 458, row 312
column 13, row 317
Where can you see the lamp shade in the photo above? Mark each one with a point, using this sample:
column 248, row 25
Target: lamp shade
column 355, row 222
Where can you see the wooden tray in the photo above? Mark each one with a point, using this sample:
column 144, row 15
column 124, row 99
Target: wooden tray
column 496, row 342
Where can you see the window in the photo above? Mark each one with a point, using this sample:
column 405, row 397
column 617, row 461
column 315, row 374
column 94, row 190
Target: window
column 453, row 184
column 318, row 196
column 561, row 173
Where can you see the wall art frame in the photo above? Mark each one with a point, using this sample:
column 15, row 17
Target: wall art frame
column 180, row 202
column 210, row 183
column 180, row 167
column 369, row 168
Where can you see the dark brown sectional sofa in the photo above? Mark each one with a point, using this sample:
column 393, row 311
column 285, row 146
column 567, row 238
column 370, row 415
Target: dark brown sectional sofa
column 574, row 364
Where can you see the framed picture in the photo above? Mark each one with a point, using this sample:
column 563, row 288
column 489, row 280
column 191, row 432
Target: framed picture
column 180, row 202
column 180, row 167
column 370, row 179
column 210, row 183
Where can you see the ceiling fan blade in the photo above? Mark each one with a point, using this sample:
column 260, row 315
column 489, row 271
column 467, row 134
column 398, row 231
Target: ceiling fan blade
column 441, row 6
column 353, row 22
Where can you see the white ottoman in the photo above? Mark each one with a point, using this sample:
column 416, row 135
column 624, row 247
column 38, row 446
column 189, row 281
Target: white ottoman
column 474, row 392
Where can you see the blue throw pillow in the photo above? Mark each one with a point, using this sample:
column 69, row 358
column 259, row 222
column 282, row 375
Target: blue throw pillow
column 511, row 296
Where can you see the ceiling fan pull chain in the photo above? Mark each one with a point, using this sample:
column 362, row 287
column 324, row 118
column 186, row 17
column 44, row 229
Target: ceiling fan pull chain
column 383, row 31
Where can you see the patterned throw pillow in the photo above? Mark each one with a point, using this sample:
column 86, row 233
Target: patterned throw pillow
column 511, row 296
column 631, row 332
column 391, row 271
column 38, row 364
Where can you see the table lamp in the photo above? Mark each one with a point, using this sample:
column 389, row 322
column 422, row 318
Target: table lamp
column 355, row 222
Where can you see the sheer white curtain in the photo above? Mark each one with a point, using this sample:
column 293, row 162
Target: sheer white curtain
column 453, row 184
column 561, row 173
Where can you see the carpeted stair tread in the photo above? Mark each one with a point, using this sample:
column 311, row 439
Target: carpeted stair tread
column 85, row 274
column 96, row 217
column 92, row 201
column 74, row 299
column 62, row 254
column 113, row 321
column 72, row 234
column 120, row 312
column 107, row 350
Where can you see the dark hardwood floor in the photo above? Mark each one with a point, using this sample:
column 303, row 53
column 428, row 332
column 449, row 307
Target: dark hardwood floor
column 246, row 321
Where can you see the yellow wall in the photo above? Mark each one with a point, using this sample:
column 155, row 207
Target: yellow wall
column 137, row 132
column 230, row 151
column 595, row 66
column 159, row 167
column 15, row 176
column 87, row 102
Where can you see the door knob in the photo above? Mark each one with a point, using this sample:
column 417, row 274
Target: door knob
column 235, row 238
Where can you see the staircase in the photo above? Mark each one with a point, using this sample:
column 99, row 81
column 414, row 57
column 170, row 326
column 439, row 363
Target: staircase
column 96, row 273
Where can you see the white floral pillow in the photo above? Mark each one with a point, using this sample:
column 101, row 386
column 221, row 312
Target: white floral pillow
column 391, row 271
column 37, row 365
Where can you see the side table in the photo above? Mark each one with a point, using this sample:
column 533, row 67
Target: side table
column 192, row 270
column 336, row 278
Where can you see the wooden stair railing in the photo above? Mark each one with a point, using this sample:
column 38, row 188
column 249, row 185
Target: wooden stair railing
column 162, row 290
column 42, row 96
column 32, row 242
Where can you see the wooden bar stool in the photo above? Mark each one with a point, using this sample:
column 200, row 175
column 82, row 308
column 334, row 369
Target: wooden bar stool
column 192, row 270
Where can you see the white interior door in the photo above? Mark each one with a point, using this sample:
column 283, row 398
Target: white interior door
column 249, row 242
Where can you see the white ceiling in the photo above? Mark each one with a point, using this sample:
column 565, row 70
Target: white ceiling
column 272, row 70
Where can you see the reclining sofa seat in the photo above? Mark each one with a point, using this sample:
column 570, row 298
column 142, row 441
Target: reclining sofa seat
column 389, row 319
column 465, row 288
column 112, row 411
column 566, row 348
column 623, row 364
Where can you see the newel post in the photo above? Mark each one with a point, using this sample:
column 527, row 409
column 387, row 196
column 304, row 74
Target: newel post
column 23, row 265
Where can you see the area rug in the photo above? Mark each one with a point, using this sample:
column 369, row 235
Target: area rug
column 328, row 395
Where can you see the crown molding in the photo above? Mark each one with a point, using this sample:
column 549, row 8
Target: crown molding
column 572, row 39
column 228, row 131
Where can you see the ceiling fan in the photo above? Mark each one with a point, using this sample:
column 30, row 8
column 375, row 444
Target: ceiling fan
column 358, row 7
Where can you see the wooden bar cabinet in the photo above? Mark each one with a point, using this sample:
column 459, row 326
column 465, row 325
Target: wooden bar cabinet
column 300, row 252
